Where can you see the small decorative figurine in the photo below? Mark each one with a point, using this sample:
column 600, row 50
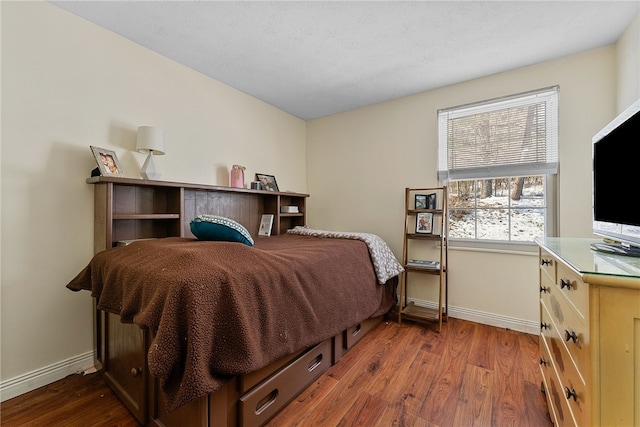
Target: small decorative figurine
column 237, row 176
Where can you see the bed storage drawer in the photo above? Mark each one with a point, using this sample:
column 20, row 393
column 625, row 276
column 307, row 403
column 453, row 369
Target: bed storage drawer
column 265, row 400
column 355, row 333
column 250, row 380
column 350, row 337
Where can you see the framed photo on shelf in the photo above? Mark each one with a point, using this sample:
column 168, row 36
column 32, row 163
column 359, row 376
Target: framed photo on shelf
column 108, row 162
column 424, row 223
column 267, row 182
column 421, row 201
column 265, row 225
column 432, row 201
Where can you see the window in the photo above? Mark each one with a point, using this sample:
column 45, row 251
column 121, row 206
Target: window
column 499, row 159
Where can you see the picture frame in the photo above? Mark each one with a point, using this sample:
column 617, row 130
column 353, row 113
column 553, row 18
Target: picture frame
column 108, row 163
column 267, row 182
column 420, row 201
column 424, row 223
column 266, row 222
column 432, row 201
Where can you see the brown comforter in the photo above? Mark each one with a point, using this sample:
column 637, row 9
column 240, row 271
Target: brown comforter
column 217, row 309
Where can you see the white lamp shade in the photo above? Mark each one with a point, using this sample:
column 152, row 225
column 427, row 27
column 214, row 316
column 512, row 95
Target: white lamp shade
column 150, row 140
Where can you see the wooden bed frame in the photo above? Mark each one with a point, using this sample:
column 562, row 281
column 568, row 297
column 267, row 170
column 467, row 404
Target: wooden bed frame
column 128, row 209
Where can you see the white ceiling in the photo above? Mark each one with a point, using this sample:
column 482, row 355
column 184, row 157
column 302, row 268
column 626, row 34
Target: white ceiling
column 316, row 58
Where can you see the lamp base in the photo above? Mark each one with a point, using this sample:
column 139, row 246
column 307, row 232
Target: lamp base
column 149, row 170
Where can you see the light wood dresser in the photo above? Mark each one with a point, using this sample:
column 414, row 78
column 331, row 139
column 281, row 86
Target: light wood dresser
column 589, row 334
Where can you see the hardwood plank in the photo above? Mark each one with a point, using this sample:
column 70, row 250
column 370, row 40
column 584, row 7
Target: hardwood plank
column 364, row 412
column 444, row 391
column 417, row 379
column 474, row 406
column 73, row 401
column 482, row 350
column 508, row 398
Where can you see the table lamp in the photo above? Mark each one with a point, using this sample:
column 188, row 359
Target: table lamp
column 151, row 142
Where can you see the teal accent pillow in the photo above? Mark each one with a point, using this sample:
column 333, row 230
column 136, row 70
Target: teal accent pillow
column 213, row 227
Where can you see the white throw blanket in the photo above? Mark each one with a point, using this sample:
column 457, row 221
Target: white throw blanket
column 384, row 261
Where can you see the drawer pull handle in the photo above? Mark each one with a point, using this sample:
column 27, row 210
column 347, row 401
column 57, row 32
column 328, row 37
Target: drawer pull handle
column 544, row 326
column 565, row 283
column 135, row 372
column 545, row 262
column 571, row 393
column 266, row 401
column 357, row 330
column 570, row 336
column 543, row 362
column 315, row 362
column 544, row 290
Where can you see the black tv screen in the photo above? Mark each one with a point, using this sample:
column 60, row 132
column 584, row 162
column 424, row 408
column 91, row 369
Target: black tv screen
column 616, row 174
column 616, row 180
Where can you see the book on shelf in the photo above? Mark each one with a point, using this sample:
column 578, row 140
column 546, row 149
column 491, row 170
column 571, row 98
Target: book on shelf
column 289, row 209
column 435, row 265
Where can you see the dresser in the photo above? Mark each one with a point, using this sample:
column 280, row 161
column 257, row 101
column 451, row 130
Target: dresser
column 589, row 334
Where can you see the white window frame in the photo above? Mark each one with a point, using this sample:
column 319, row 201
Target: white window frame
column 548, row 168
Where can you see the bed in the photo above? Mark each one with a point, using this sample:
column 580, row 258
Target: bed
column 231, row 332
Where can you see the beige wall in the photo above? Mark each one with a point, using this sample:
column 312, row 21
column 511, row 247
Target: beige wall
column 376, row 152
column 68, row 84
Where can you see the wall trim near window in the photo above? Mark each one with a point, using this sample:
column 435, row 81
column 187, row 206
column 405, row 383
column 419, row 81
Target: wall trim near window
column 510, row 248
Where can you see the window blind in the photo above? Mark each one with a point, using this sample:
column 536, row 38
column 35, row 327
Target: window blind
column 513, row 136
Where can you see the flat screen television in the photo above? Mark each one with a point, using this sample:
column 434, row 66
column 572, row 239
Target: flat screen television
column 616, row 184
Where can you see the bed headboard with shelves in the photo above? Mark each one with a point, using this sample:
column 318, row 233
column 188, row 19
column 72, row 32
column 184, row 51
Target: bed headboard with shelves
column 128, row 208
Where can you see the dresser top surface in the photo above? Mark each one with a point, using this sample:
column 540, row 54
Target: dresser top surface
column 577, row 253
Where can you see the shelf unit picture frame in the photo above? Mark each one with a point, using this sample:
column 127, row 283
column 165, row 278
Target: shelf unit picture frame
column 108, row 163
column 424, row 223
column 267, row 182
column 432, row 201
column 421, row 201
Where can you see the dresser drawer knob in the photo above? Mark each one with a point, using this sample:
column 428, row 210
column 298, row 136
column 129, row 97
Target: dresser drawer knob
column 543, row 362
column 136, row 371
column 544, row 262
column 570, row 336
column 544, row 290
column 565, row 283
column 571, row 393
column 544, row 326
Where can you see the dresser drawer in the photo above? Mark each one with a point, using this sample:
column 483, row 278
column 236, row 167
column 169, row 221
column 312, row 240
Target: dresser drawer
column 558, row 405
column 548, row 265
column 570, row 380
column 566, row 387
column 574, row 289
column 569, row 328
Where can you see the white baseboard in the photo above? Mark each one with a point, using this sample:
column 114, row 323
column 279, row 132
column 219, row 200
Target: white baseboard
column 35, row 379
column 521, row 325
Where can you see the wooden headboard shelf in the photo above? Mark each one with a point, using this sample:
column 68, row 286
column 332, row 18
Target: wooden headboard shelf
column 128, row 208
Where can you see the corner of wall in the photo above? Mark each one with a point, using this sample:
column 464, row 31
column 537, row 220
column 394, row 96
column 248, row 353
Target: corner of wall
column 628, row 65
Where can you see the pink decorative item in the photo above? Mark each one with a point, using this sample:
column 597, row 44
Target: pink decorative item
column 237, row 176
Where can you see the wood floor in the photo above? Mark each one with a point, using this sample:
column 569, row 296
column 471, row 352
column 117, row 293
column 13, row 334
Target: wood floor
column 398, row 375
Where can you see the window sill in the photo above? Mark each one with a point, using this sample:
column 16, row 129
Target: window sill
column 511, row 248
